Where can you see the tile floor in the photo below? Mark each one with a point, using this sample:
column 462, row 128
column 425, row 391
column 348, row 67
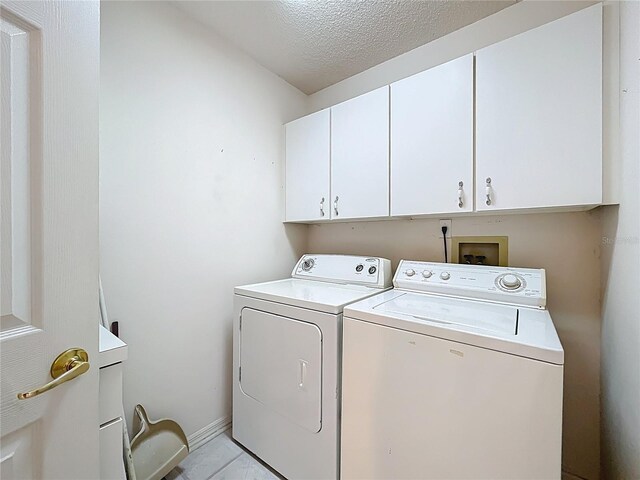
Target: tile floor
column 222, row 459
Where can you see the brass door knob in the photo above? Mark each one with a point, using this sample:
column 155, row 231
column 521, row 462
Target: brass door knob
column 67, row 366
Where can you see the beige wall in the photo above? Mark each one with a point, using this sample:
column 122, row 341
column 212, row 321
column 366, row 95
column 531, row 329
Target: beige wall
column 191, row 153
column 566, row 245
column 621, row 276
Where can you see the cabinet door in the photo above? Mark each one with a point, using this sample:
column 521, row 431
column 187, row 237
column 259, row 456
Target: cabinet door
column 539, row 116
column 307, row 168
column 360, row 156
column 432, row 140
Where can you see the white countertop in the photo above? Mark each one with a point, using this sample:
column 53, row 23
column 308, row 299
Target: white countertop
column 112, row 349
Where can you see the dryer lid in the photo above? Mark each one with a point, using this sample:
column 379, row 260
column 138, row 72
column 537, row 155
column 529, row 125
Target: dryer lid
column 313, row 295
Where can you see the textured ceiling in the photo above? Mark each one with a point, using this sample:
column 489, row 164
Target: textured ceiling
column 314, row 44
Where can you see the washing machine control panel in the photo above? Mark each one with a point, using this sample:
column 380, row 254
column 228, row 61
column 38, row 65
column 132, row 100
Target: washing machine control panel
column 520, row 286
column 345, row 269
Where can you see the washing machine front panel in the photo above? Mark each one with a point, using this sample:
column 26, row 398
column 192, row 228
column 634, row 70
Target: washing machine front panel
column 281, row 366
column 419, row 407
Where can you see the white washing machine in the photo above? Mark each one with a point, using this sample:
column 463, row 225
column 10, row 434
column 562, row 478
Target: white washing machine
column 286, row 361
column 456, row 373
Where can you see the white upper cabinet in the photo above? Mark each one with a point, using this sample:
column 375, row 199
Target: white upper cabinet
column 360, row 156
column 307, row 168
column 432, row 140
column 539, row 116
column 517, row 127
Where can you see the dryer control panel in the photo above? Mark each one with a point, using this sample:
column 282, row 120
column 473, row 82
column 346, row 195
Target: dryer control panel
column 517, row 286
column 346, row 269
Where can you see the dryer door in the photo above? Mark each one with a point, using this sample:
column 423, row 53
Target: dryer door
column 281, row 366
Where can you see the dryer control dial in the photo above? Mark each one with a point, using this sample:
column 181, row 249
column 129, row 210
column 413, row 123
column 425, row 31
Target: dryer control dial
column 410, row 273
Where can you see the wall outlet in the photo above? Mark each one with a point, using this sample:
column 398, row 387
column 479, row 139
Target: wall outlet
column 444, row 223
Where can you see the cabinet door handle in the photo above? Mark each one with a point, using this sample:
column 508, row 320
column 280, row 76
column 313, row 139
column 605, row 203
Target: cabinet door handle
column 488, row 191
column 335, row 205
column 460, row 195
column 322, row 207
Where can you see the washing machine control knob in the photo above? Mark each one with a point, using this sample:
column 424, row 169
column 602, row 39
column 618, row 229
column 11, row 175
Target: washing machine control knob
column 427, row 273
column 445, row 276
column 410, row 273
column 510, row 281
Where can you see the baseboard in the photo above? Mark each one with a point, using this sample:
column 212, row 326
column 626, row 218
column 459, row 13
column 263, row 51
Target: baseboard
column 206, row 433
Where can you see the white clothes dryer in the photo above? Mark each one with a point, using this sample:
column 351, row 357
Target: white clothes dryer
column 456, row 373
column 286, row 361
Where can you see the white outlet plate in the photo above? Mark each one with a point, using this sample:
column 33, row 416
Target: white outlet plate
column 445, row 223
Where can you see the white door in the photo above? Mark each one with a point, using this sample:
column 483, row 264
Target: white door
column 281, row 366
column 539, row 116
column 307, row 168
column 49, row 262
column 360, row 156
column 432, row 140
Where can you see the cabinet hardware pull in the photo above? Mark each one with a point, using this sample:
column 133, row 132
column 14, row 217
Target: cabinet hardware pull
column 322, row 207
column 335, row 206
column 488, row 191
column 460, row 195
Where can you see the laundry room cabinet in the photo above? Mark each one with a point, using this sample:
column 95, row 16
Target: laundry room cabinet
column 337, row 161
column 539, row 116
column 360, row 156
column 515, row 126
column 307, row 145
column 432, row 140
column 112, row 353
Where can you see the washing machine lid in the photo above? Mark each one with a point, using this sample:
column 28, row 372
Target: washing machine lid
column 310, row 294
column 493, row 319
column 523, row 331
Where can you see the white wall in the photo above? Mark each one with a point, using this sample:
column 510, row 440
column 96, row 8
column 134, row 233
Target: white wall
column 191, row 148
column 621, row 276
column 567, row 245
